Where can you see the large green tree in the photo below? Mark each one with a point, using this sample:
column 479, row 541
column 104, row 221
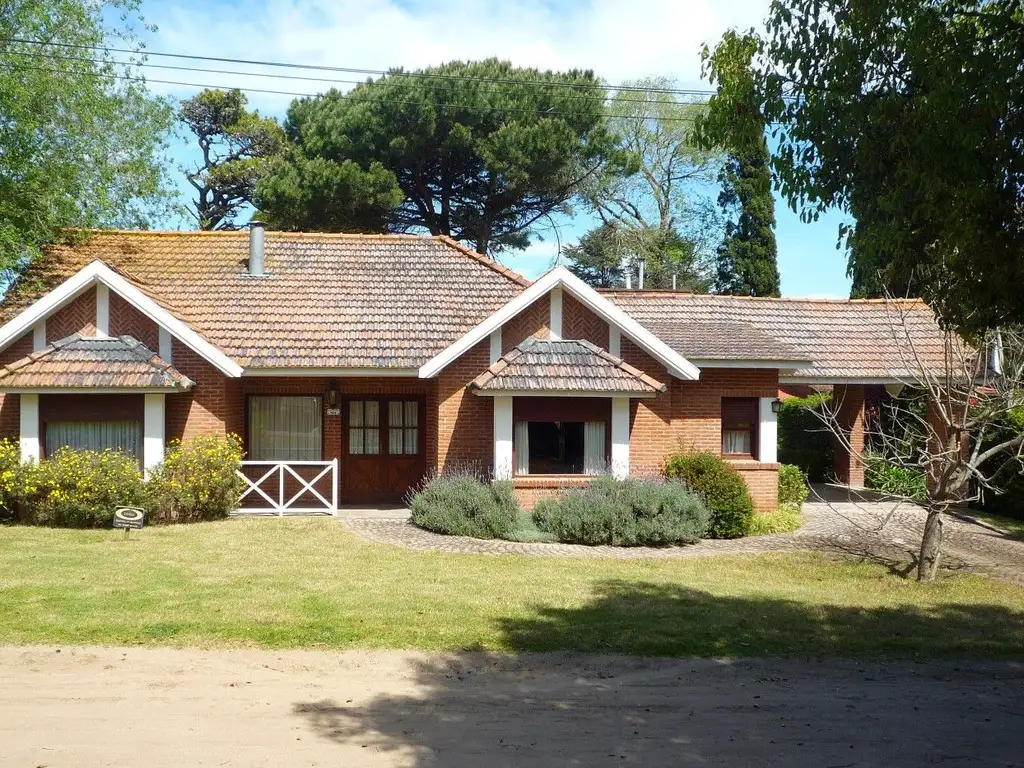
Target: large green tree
column 908, row 115
column 747, row 257
column 481, row 151
column 236, row 145
column 81, row 140
column 654, row 197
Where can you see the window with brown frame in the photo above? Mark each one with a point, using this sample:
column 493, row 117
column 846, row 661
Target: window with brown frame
column 739, row 427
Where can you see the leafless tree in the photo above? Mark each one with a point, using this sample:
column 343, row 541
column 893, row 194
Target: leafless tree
column 959, row 436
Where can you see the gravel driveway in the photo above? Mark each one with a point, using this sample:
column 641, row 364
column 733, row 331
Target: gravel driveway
column 835, row 520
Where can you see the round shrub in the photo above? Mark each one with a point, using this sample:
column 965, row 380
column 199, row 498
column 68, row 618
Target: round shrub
column 197, row 480
column 722, row 488
column 624, row 513
column 79, row 489
column 793, row 488
column 466, row 505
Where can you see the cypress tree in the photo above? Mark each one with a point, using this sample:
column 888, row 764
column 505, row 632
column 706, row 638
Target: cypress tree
column 747, row 257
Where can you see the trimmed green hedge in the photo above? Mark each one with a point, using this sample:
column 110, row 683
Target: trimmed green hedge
column 720, row 486
column 624, row 513
column 804, row 439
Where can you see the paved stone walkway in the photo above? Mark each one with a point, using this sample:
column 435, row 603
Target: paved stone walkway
column 835, row 520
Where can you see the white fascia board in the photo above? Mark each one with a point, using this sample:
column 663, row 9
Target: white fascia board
column 782, row 365
column 847, row 380
column 98, row 272
column 676, row 364
column 560, row 393
column 334, row 372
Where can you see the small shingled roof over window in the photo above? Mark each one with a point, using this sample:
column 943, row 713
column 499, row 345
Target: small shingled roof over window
column 93, row 363
column 569, row 365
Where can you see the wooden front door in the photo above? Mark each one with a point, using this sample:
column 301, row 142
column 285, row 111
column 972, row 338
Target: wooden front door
column 382, row 453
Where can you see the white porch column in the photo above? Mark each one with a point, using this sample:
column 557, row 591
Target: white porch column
column 102, row 310
column 153, row 432
column 502, row 438
column 29, row 430
column 555, row 313
column 620, row 437
column 767, row 431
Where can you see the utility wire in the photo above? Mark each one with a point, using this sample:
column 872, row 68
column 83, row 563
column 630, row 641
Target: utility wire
column 85, row 73
column 357, row 70
column 86, row 60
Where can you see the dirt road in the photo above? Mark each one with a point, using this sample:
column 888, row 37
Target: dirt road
column 128, row 707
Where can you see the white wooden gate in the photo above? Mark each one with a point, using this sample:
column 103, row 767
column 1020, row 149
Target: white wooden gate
column 279, row 488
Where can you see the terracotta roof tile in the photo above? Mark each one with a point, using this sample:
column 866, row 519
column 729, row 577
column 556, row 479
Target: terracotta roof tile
column 327, row 300
column 570, row 365
column 77, row 362
column 842, row 339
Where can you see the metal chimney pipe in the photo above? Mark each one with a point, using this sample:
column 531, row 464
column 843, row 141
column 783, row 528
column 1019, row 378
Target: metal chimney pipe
column 640, row 280
column 257, row 233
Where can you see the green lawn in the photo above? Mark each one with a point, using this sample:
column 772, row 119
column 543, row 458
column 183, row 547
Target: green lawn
column 309, row 583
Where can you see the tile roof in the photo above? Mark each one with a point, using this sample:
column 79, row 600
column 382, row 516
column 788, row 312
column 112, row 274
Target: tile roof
column 852, row 339
column 77, row 362
column 570, row 365
column 327, row 300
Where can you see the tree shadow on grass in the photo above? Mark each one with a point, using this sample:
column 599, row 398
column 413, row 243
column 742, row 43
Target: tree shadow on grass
column 564, row 708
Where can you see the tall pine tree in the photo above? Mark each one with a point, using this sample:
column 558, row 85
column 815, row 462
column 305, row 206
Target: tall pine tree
column 747, row 257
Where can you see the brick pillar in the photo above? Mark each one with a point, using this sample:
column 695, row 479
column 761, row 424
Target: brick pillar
column 938, row 442
column 848, row 408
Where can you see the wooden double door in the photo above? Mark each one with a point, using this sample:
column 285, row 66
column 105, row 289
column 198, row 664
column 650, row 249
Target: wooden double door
column 382, row 448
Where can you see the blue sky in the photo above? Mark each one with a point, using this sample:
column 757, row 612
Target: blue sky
column 619, row 41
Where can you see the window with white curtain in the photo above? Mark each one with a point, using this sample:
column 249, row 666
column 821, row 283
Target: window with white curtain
column 739, row 426
column 124, row 436
column 285, row 428
column 594, row 460
column 403, row 427
column 560, row 447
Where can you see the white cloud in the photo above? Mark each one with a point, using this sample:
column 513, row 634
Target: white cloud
column 618, row 40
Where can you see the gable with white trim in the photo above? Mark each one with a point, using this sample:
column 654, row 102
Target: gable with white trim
column 86, row 303
column 549, row 296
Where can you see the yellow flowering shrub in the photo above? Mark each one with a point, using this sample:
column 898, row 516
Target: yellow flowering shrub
column 197, row 480
column 10, row 477
column 78, row 489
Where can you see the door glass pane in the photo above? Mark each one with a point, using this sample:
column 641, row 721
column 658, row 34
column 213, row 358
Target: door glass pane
column 395, row 440
column 372, row 441
column 412, row 437
column 355, row 413
column 395, row 413
column 355, row 441
column 412, row 413
column 372, row 414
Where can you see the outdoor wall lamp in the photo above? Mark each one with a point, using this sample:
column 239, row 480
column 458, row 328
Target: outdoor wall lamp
column 332, row 394
column 776, row 405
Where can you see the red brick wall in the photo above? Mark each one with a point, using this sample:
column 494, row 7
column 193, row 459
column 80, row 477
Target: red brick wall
column 212, row 407
column 465, row 422
column 762, row 482
column 77, row 317
column 578, row 322
column 10, row 405
column 127, row 320
column 532, row 321
column 848, row 402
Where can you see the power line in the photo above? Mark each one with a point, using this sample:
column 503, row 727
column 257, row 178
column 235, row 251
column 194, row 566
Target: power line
column 357, row 70
column 205, row 70
column 543, row 112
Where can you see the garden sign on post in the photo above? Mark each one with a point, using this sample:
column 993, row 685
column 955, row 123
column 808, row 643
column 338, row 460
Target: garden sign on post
column 128, row 518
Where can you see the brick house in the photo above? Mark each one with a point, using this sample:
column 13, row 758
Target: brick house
column 353, row 365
